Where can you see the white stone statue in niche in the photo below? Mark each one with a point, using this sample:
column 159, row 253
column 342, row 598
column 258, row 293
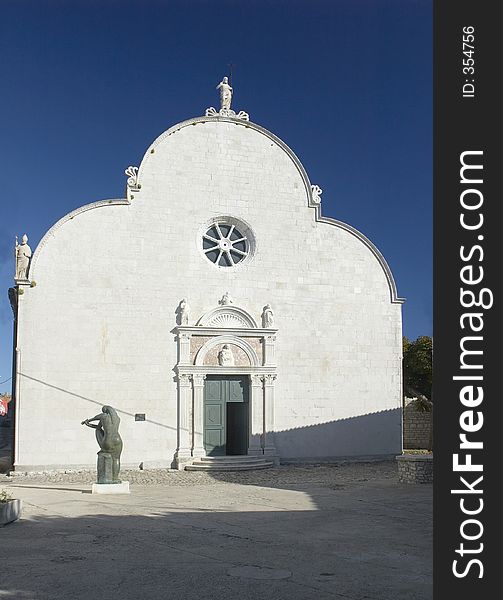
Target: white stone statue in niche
column 23, row 255
column 225, row 357
column 184, row 311
column 226, row 299
column 225, row 94
column 267, row 317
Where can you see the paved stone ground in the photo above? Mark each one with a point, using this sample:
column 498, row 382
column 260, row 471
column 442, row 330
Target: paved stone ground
column 347, row 531
column 321, row 474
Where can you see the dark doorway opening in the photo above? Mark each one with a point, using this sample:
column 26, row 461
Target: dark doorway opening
column 237, row 428
column 226, row 409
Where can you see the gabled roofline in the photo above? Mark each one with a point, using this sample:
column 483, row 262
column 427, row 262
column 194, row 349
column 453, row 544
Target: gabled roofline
column 395, row 299
column 291, row 154
column 50, row 233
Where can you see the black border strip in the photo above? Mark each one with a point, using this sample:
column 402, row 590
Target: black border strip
column 466, row 121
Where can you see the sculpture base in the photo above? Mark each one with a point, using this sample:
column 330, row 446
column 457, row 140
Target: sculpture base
column 111, row 488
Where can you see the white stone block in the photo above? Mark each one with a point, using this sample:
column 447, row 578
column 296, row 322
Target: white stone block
column 111, row 488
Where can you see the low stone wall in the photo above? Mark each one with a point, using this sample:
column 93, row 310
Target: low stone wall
column 417, row 426
column 415, row 468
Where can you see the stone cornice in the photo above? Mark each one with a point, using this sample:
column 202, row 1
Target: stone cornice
column 216, row 331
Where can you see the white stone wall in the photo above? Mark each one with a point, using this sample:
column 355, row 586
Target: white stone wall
column 98, row 326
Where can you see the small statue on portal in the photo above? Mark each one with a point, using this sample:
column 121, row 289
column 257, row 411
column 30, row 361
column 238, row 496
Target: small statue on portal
column 267, row 317
column 226, row 299
column 110, row 442
column 184, row 311
column 225, row 357
column 23, row 255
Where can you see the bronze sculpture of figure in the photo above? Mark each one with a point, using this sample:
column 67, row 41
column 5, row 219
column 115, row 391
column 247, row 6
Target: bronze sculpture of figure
column 110, row 442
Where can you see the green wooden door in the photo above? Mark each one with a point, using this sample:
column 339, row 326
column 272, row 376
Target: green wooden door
column 225, row 415
column 214, row 416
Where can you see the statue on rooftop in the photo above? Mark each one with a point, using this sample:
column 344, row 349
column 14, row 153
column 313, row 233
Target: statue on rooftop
column 110, row 442
column 225, row 94
column 23, row 255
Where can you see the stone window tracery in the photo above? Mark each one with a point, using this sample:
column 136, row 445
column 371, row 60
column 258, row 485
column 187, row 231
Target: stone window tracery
column 227, row 242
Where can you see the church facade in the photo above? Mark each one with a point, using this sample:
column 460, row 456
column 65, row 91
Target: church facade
column 214, row 307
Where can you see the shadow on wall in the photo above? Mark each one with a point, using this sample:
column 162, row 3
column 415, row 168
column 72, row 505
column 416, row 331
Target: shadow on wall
column 375, row 434
column 372, row 434
column 7, row 421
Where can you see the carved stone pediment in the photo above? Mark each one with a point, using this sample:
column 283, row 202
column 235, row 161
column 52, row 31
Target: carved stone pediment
column 228, row 316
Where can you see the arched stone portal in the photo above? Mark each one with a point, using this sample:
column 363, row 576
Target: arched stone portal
column 226, row 344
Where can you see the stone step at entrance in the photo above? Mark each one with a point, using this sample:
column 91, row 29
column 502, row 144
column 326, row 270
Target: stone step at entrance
column 229, row 463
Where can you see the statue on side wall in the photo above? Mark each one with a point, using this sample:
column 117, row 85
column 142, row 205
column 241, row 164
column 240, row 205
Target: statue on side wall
column 267, row 317
column 110, row 442
column 225, row 357
column 225, row 93
column 23, row 255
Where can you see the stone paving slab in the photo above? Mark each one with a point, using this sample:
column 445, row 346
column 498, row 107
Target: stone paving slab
column 342, row 531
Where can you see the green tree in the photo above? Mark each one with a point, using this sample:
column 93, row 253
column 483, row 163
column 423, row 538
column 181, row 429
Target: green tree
column 417, row 366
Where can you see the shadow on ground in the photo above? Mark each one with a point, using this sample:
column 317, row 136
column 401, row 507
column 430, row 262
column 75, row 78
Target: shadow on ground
column 224, row 540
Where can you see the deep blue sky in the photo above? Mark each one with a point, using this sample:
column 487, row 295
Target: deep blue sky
column 87, row 85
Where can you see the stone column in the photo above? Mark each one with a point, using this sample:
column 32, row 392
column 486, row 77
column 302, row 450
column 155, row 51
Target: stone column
column 256, row 416
column 269, row 447
column 198, row 415
column 184, row 348
column 269, row 344
column 183, row 451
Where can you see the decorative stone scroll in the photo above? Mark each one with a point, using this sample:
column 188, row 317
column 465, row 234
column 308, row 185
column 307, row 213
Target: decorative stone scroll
column 132, row 181
column 224, row 112
column 316, row 192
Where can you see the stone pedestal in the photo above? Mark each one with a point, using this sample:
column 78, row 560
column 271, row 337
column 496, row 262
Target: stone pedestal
column 182, row 461
column 105, row 471
column 415, row 468
column 111, row 488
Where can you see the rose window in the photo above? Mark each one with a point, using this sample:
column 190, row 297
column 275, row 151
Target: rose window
column 226, row 244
